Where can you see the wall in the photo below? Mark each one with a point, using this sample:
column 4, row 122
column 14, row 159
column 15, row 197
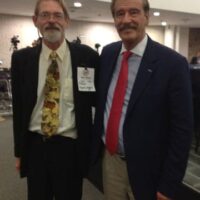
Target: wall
column 156, row 33
column 10, row 26
column 89, row 33
column 182, row 40
column 194, row 42
column 102, row 33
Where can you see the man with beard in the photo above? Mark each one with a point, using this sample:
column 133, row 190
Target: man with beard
column 53, row 94
column 144, row 111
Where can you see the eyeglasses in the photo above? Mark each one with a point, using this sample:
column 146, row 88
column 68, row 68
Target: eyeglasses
column 56, row 16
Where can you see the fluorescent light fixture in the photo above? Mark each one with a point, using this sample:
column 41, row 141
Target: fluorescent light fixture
column 77, row 4
column 164, row 23
column 156, row 14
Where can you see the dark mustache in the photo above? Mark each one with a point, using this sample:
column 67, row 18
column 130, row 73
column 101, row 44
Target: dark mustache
column 50, row 27
column 127, row 26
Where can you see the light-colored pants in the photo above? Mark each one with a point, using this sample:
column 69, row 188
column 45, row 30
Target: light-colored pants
column 115, row 178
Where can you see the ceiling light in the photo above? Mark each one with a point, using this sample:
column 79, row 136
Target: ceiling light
column 77, row 4
column 156, row 14
column 163, row 23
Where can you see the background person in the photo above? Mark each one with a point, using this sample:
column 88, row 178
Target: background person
column 196, row 59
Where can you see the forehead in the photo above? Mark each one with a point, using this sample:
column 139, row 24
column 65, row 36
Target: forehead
column 126, row 4
column 50, row 6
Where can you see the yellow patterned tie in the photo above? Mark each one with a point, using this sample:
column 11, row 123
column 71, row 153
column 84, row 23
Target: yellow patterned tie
column 50, row 110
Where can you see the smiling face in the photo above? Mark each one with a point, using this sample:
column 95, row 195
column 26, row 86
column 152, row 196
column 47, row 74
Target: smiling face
column 51, row 22
column 130, row 20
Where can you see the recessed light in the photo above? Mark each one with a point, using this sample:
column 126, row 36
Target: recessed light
column 77, row 4
column 163, row 23
column 156, row 14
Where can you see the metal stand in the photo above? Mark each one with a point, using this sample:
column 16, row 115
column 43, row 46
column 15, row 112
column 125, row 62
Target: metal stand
column 5, row 92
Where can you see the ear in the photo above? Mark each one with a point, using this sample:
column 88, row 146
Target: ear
column 34, row 18
column 147, row 17
column 67, row 22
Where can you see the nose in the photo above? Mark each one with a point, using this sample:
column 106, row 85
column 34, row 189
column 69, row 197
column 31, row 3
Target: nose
column 52, row 18
column 127, row 17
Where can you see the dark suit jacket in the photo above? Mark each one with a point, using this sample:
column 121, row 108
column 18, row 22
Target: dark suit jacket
column 158, row 124
column 24, row 69
column 195, row 79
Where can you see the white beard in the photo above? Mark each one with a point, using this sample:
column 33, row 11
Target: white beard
column 52, row 36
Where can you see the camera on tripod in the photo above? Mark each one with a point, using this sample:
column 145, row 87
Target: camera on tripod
column 15, row 41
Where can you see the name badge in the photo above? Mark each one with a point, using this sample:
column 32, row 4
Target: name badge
column 86, row 79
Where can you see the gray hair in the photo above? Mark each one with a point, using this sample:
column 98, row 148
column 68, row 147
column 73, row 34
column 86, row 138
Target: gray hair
column 146, row 6
column 60, row 2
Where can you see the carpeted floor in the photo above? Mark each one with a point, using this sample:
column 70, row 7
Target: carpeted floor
column 11, row 186
column 14, row 188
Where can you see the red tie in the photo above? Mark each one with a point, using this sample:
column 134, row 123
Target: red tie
column 117, row 104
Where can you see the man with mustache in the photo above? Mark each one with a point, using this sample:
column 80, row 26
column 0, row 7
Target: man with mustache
column 53, row 94
column 144, row 111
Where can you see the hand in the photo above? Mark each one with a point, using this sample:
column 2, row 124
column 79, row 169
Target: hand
column 18, row 164
column 162, row 197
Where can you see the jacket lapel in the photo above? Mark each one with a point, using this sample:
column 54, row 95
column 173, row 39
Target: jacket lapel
column 35, row 64
column 109, row 64
column 145, row 72
column 31, row 73
column 75, row 62
column 30, row 79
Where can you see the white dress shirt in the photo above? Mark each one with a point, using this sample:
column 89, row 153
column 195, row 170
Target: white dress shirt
column 66, row 106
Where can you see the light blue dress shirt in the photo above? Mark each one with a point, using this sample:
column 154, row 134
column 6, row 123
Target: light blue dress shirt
column 133, row 66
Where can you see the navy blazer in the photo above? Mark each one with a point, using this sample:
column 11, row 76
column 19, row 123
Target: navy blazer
column 158, row 124
column 24, row 69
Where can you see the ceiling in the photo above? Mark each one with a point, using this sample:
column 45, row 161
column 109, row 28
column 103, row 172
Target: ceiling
column 98, row 11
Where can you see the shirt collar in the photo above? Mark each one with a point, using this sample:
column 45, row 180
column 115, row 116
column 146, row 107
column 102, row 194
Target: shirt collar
column 139, row 48
column 60, row 51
